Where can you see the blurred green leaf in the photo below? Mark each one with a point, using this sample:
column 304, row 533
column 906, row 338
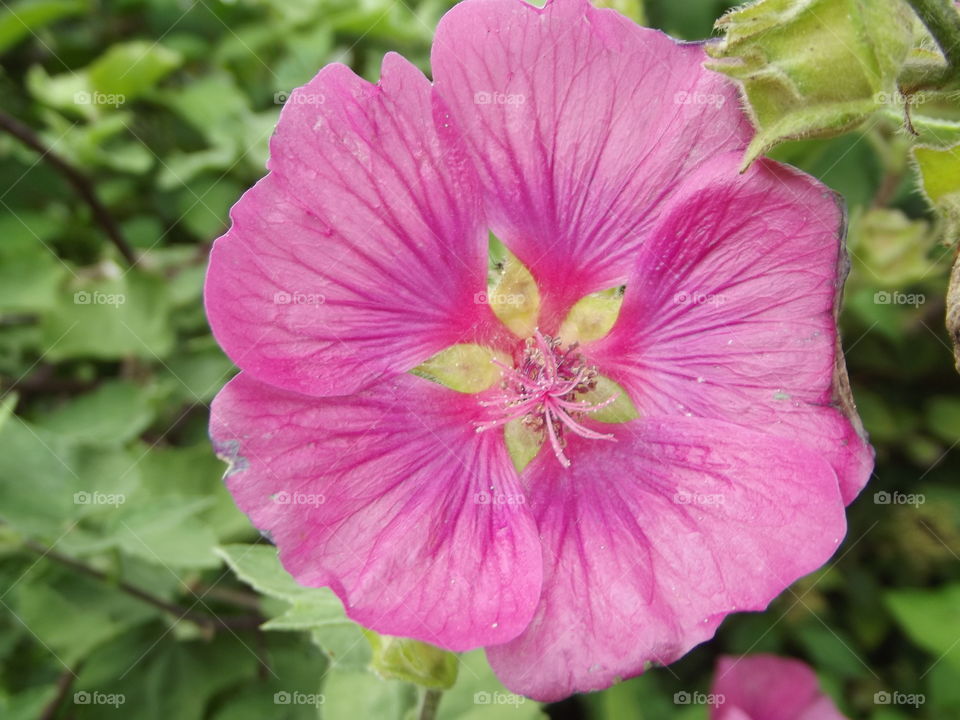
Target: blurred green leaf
column 27, row 705
column 25, row 18
column 128, row 70
column 161, row 678
column 37, row 479
column 165, row 530
column 479, row 695
column 294, row 680
column 364, row 695
column 931, row 618
column 943, row 417
column 110, row 415
column 316, row 609
column 187, row 474
column 30, row 272
column 109, row 316
column 97, row 613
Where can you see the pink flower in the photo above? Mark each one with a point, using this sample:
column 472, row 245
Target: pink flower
column 767, row 687
column 602, row 154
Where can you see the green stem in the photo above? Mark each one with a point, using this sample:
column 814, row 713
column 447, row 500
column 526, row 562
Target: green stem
column 431, row 702
column 943, row 22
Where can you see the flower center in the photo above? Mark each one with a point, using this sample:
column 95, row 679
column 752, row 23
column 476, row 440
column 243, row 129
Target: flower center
column 542, row 391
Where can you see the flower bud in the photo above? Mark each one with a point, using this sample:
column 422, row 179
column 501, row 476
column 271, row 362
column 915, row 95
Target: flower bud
column 939, row 170
column 889, row 248
column 812, row 67
column 412, row 661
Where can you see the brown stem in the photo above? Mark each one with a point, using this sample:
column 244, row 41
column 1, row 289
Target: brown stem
column 81, row 183
column 64, row 683
column 239, row 622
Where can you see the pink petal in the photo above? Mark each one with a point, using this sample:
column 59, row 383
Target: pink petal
column 380, row 496
column 766, row 687
column 361, row 253
column 651, row 540
column 581, row 123
column 729, row 313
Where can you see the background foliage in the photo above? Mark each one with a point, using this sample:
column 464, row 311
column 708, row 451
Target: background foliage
column 126, row 571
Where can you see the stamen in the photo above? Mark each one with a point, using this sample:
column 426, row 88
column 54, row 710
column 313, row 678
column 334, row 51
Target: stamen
column 542, row 389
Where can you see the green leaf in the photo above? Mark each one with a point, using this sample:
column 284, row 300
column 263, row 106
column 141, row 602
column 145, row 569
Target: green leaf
column 345, row 644
column 30, row 272
column 69, row 91
column 7, row 404
column 28, row 704
column 632, row 9
column 96, row 611
column 360, row 694
column 37, row 479
column 112, row 414
column 166, row 531
column 291, row 690
column 931, row 618
column 128, row 70
column 189, row 474
column 315, row 609
column 943, row 417
column 197, row 372
column 110, row 317
column 161, row 678
column 258, row 566
column 478, row 695
column 204, row 203
column 26, row 18
column 832, row 649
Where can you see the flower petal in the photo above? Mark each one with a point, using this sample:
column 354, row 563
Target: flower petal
column 731, row 313
column 386, row 498
column 650, row 541
column 767, row 687
column 363, row 250
column 581, row 123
